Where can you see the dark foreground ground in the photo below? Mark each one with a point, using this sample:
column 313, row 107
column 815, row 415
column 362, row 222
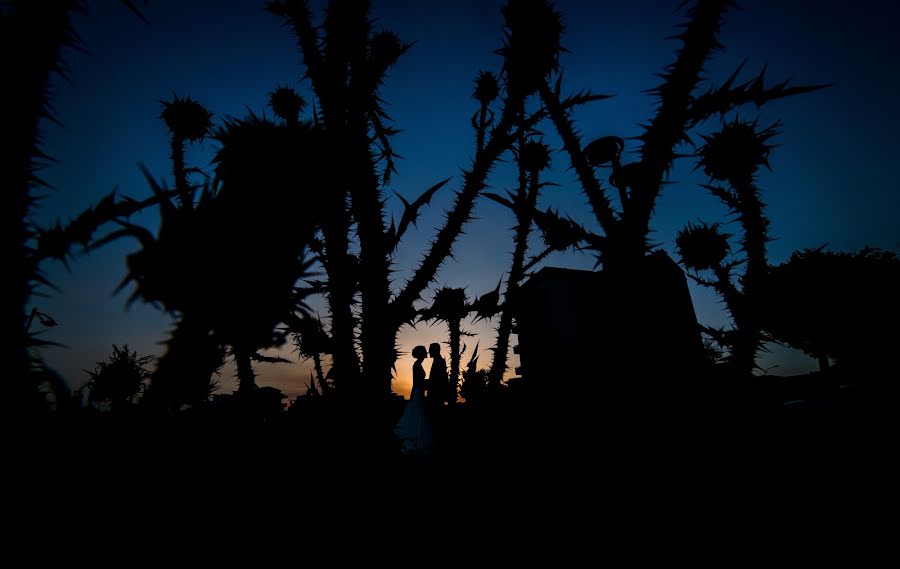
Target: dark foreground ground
column 822, row 434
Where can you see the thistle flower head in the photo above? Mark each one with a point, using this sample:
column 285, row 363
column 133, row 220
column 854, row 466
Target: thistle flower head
column 449, row 304
column 736, row 152
column 487, row 89
column 385, row 48
column 286, row 103
column 702, row 246
column 534, row 156
column 186, row 118
column 532, row 46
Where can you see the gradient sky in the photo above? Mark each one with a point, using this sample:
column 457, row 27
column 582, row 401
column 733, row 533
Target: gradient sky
column 830, row 181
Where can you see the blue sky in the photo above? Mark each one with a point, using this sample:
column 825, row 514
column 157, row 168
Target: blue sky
column 831, row 180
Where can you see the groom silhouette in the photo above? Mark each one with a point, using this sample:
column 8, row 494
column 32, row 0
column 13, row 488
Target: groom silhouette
column 438, row 379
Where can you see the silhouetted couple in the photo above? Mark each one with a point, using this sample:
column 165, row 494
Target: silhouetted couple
column 424, row 410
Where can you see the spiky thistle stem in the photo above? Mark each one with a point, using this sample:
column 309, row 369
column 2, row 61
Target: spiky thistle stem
column 180, row 173
column 528, row 191
column 317, row 364
column 245, row 374
column 595, row 193
column 368, row 210
column 532, row 262
column 755, row 226
column 460, row 212
column 668, row 127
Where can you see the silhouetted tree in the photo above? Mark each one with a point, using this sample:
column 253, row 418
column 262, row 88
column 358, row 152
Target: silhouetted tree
column 836, row 305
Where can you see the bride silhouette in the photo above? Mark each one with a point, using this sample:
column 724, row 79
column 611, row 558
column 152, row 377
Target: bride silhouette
column 414, row 427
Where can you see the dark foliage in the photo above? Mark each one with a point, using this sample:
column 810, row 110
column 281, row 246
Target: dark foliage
column 842, row 306
column 119, row 379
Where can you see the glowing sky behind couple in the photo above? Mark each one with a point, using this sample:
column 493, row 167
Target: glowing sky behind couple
column 832, row 180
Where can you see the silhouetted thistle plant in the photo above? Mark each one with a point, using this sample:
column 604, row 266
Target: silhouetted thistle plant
column 639, row 184
column 733, row 155
column 228, row 266
column 32, row 37
column 188, row 121
column 346, row 62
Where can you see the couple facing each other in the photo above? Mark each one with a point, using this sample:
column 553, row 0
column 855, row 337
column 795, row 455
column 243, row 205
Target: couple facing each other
column 414, row 429
column 436, row 387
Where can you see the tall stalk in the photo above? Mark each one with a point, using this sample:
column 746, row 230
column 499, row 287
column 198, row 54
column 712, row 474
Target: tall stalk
column 533, row 157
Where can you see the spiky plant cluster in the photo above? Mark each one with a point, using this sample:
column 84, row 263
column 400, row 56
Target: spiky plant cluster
column 346, row 62
column 679, row 110
column 287, row 104
column 312, row 342
column 733, row 155
column 532, row 45
column 119, row 379
column 702, row 246
column 228, row 264
column 560, row 234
